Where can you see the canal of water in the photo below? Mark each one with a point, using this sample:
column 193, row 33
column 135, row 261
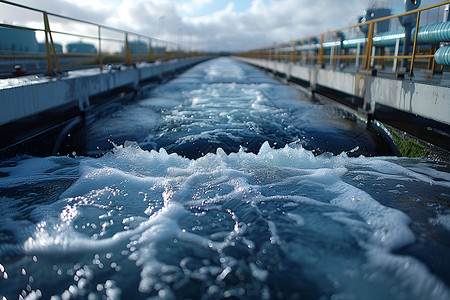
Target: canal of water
column 225, row 184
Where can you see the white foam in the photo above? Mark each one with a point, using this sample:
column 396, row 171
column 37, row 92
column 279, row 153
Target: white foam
column 150, row 196
column 35, row 170
column 443, row 220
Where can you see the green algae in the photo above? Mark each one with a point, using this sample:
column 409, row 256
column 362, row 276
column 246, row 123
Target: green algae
column 407, row 146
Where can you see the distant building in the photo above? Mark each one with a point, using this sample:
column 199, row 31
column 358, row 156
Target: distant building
column 137, row 47
column 42, row 48
column 81, row 47
column 17, row 41
column 143, row 49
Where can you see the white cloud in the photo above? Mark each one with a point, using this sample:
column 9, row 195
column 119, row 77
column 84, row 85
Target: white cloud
column 189, row 7
column 262, row 23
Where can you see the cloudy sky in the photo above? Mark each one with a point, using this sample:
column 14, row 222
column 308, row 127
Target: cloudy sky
column 210, row 24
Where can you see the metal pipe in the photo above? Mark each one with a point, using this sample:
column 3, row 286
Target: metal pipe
column 442, row 56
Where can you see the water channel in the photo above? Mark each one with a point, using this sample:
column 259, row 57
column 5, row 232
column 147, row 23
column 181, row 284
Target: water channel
column 224, row 183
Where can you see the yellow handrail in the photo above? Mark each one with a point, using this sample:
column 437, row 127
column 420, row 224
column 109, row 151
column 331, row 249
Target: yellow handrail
column 367, row 57
column 50, row 50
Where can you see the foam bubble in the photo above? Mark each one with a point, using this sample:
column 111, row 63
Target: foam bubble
column 223, row 217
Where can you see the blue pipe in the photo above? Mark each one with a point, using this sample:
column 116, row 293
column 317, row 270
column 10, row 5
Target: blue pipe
column 429, row 34
column 442, row 56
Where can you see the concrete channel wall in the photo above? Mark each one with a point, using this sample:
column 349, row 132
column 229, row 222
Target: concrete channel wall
column 428, row 101
column 27, row 96
column 40, row 113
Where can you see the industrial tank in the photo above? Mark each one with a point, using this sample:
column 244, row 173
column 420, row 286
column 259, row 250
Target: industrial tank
column 17, row 41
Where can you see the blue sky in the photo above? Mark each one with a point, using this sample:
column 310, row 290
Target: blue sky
column 210, row 24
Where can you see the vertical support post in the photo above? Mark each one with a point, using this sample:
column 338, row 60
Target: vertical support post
column 128, row 57
column 331, row 57
column 100, row 55
column 301, row 58
column 335, row 51
column 278, row 53
column 48, row 35
column 294, row 52
column 397, row 48
column 369, row 46
column 321, row 51
column 431, row 62
column 311, row 52
column 415, row 45
column 139, row 49
column 358, row 53
column 151, row 55
column 47, row 48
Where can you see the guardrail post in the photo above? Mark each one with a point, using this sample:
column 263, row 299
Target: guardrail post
column 369, row 46
column 415, row 45
column 300, row 54
column 166, row 56
column 431, row 63
column 128, row 57
column 100, row 56
column 151, row 55
column 294, row 52
column 336, row 51
column 358, row 54
column 139, row 49
column 49, row 43
column 321, row 51
column 47, row 49
column 278, row 53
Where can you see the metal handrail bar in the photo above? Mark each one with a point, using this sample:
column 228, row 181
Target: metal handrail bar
column 81, row 21
column 21, row 27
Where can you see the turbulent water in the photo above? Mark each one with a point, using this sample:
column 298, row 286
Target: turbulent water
column 219, row 194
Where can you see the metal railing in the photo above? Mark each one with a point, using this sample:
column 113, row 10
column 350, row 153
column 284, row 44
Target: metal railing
column 106, row 45
column 349, row 45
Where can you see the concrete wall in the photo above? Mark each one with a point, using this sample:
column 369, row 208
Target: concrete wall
column 428, row 101
column 26, row 96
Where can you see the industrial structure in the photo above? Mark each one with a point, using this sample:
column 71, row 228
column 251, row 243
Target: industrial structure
column 392, row 69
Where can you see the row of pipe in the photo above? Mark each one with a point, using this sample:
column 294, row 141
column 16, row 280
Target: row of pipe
column 429, row 34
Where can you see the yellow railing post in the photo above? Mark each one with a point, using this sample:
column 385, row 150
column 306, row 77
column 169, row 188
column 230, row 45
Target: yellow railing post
column 100, row 57
column 431, row 59
column 321, row 51
column 294, row 52
column 278, row 53
column 299, row 54
column 335, row 52
column 47, row 48
column 151, row 55
column 139, row 49
column 49, row 43
column 415, row 45
column 166, row 55
column 128, row 57
column 369, row 47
